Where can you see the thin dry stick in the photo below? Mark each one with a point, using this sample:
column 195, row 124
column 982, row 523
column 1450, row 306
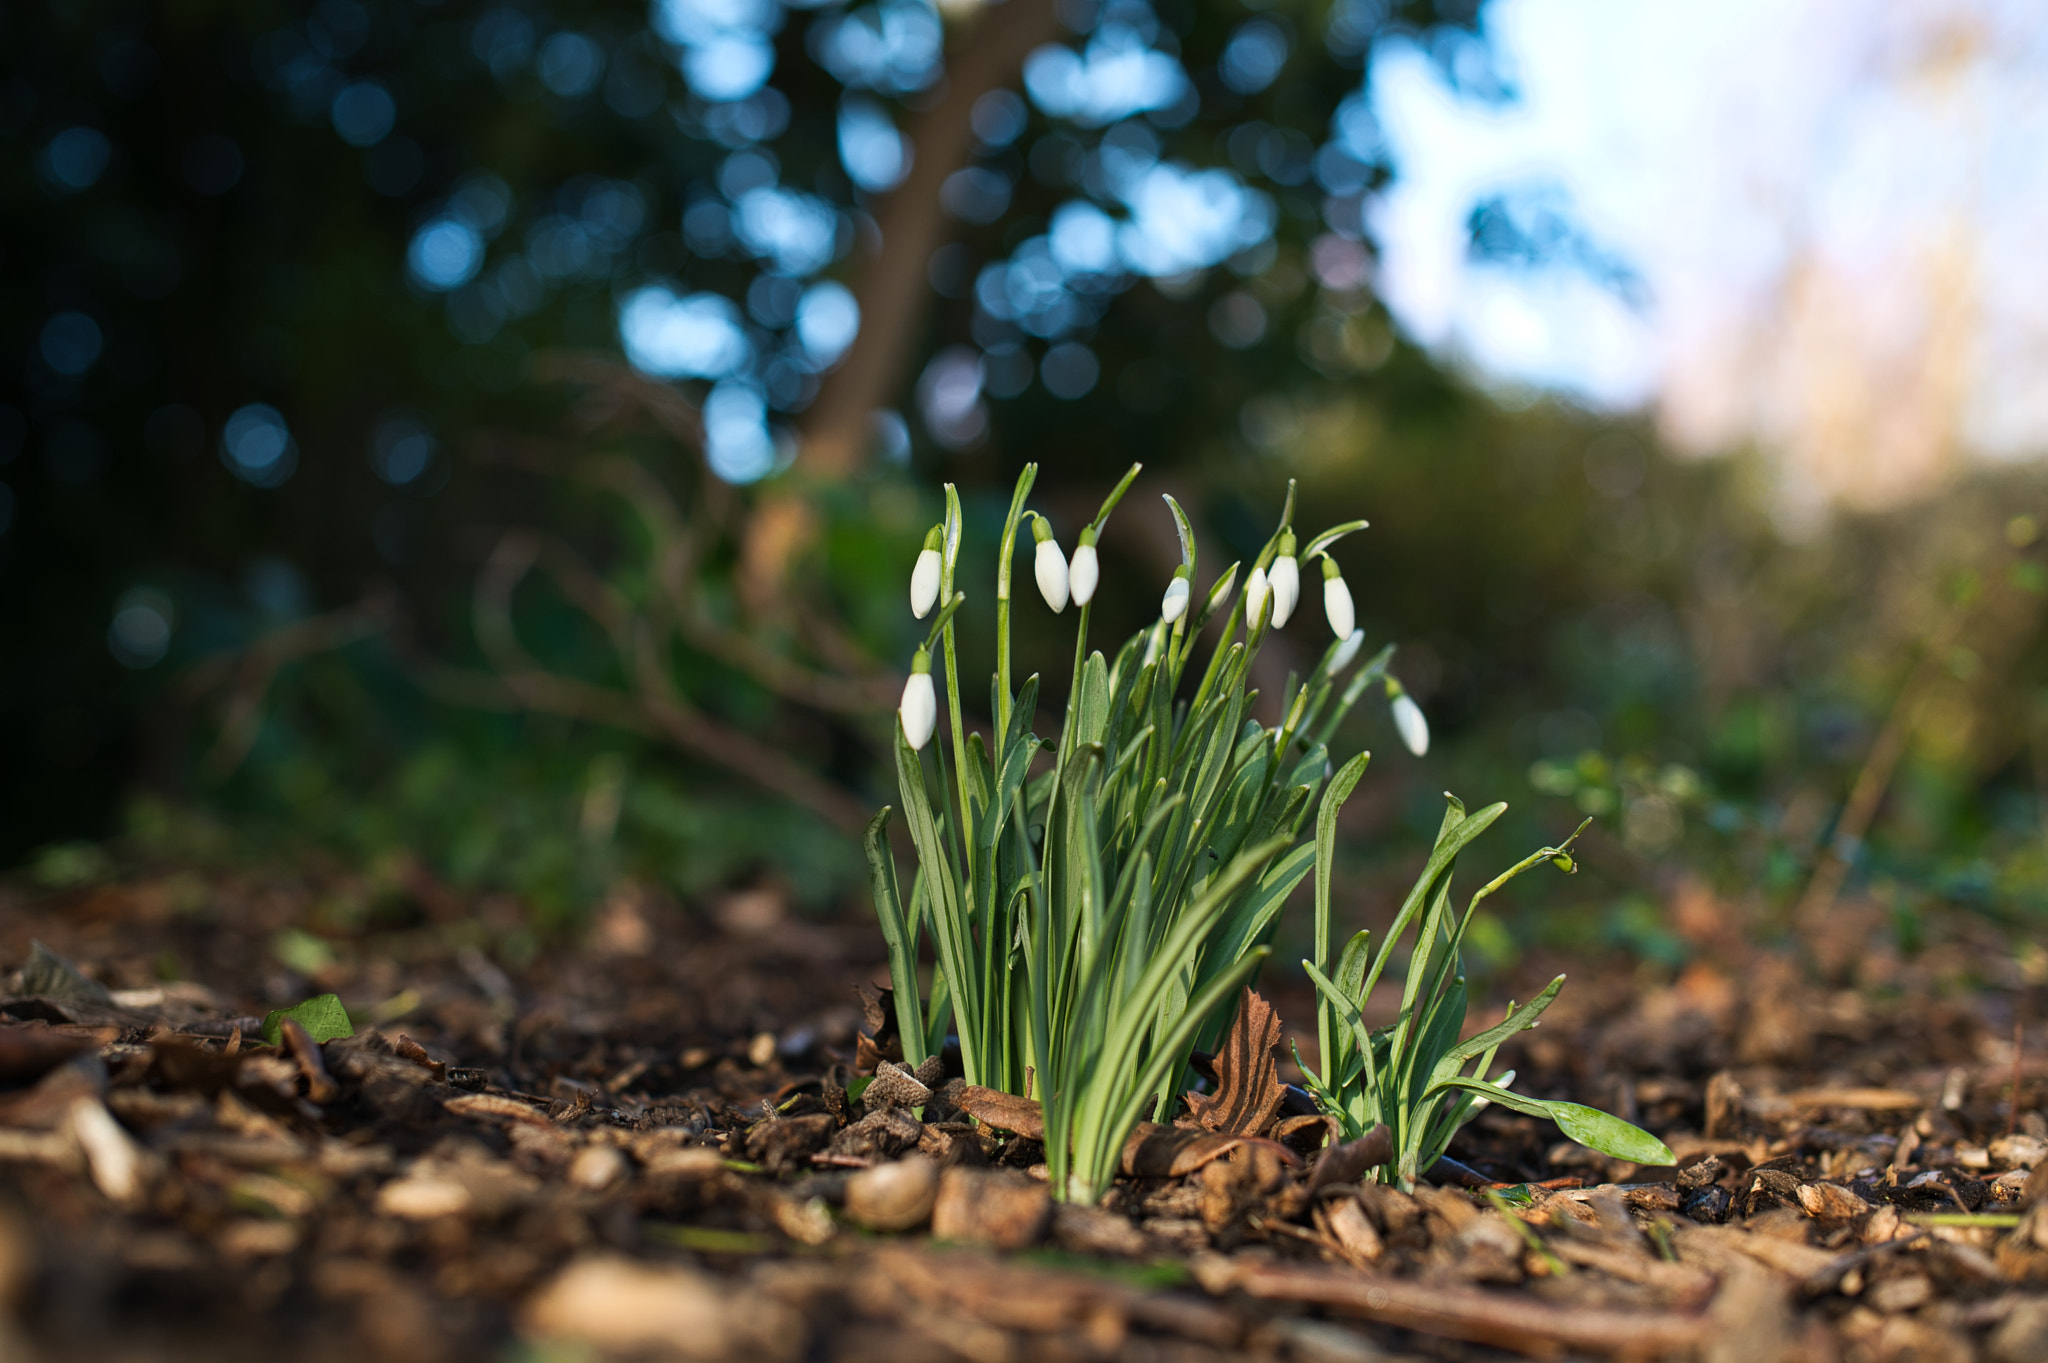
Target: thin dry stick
column 2012, row 1115
column 249, row 673
column 1509, row 1322
column 893, row 291
column 654, row 706
column 1876, row 776
column 856, row 685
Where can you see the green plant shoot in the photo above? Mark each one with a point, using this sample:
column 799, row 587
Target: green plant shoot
column 1094, row 900
column 1415, row 1074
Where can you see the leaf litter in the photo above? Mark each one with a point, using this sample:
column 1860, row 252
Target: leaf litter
column 708, row 1146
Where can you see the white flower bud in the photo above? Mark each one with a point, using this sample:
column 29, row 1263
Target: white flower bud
column 1174, row 604
column 1337, row 601
column 924, row 583
column 1414, row 728
column 1286, row 582
column 1050, row 567
column 1084, row 572
column 920, row 709
column 1347, row 652
column 1154, row 639
column 1256, row 591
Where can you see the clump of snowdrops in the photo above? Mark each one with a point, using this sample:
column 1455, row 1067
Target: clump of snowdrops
column 1095, row 900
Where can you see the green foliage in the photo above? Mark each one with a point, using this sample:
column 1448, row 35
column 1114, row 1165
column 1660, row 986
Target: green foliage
column 322, row 1016
column 1092, row 920
column 1412, row 1074
column 68, row 865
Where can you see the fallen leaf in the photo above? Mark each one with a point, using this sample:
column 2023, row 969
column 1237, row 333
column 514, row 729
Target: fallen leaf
column 322, row 1016
column 1830, row 1202
column 48, row 975
column 1248, row 1088
column 28, row 1051
column 1004, row 1111
column 1155, row 1151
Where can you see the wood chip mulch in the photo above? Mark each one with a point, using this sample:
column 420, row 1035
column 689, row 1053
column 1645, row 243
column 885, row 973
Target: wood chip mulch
column 641, row 1143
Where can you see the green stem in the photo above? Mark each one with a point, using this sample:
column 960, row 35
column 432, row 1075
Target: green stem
column 1004, row 697
column 948, row 563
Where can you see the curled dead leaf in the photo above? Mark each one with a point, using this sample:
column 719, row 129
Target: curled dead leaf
column 1248, row 1087
column 1003, row 1111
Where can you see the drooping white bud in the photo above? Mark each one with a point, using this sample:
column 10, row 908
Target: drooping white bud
column 1049, row 566
column 1257, row 590
column 1285, row 577
column 1408, row 719
column 1085, row 571
column 1337, row 600
column 1347, row 651
column 920, row 709
column 1174, row 604
column 924, row 577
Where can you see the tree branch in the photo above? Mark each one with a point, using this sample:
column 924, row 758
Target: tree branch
column 893, row 290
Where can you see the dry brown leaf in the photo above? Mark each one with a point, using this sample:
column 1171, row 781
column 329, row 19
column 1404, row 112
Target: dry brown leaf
column 1830, row 1202
column 1004, row 1111
column 1248, row 1088
column 1155, row 1151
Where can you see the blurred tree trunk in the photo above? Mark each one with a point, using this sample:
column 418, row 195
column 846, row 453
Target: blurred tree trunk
column 892, row 290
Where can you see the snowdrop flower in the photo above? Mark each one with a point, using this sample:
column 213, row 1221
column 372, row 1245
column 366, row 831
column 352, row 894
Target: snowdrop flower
column 1285, row 577
column 1084, row 572
column 1154, row 641
column 1256, row 590
column 924, row 578
column 1347, row 651
column 1337, row 600
column 1049, row 566
column 920, row 709
column 1408, row 719
column 1174, row 604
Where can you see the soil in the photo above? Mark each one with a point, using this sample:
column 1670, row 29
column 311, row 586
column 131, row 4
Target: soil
column 650, row 1139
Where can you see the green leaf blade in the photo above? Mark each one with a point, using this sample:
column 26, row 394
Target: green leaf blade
column 322, row 1016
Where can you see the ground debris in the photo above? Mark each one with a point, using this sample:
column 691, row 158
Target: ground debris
column 615, row 1303
column 1248, row 1088
column 997, row 1208
column 607, row 1153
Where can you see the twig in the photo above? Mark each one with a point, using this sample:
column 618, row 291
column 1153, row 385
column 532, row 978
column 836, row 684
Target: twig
column 653, row 706
column 249, row 673
column 1530, row 1238
column 1509, row 1322
column 1875, row 777
column 2012, row 1115
column 546, row 692
column 892, row 290
column 669, row 409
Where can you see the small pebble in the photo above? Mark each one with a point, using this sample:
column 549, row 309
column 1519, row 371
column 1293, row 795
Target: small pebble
column 597, row 1167
column 997, row 1209
column 761, row 1050
column 893, row 1197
